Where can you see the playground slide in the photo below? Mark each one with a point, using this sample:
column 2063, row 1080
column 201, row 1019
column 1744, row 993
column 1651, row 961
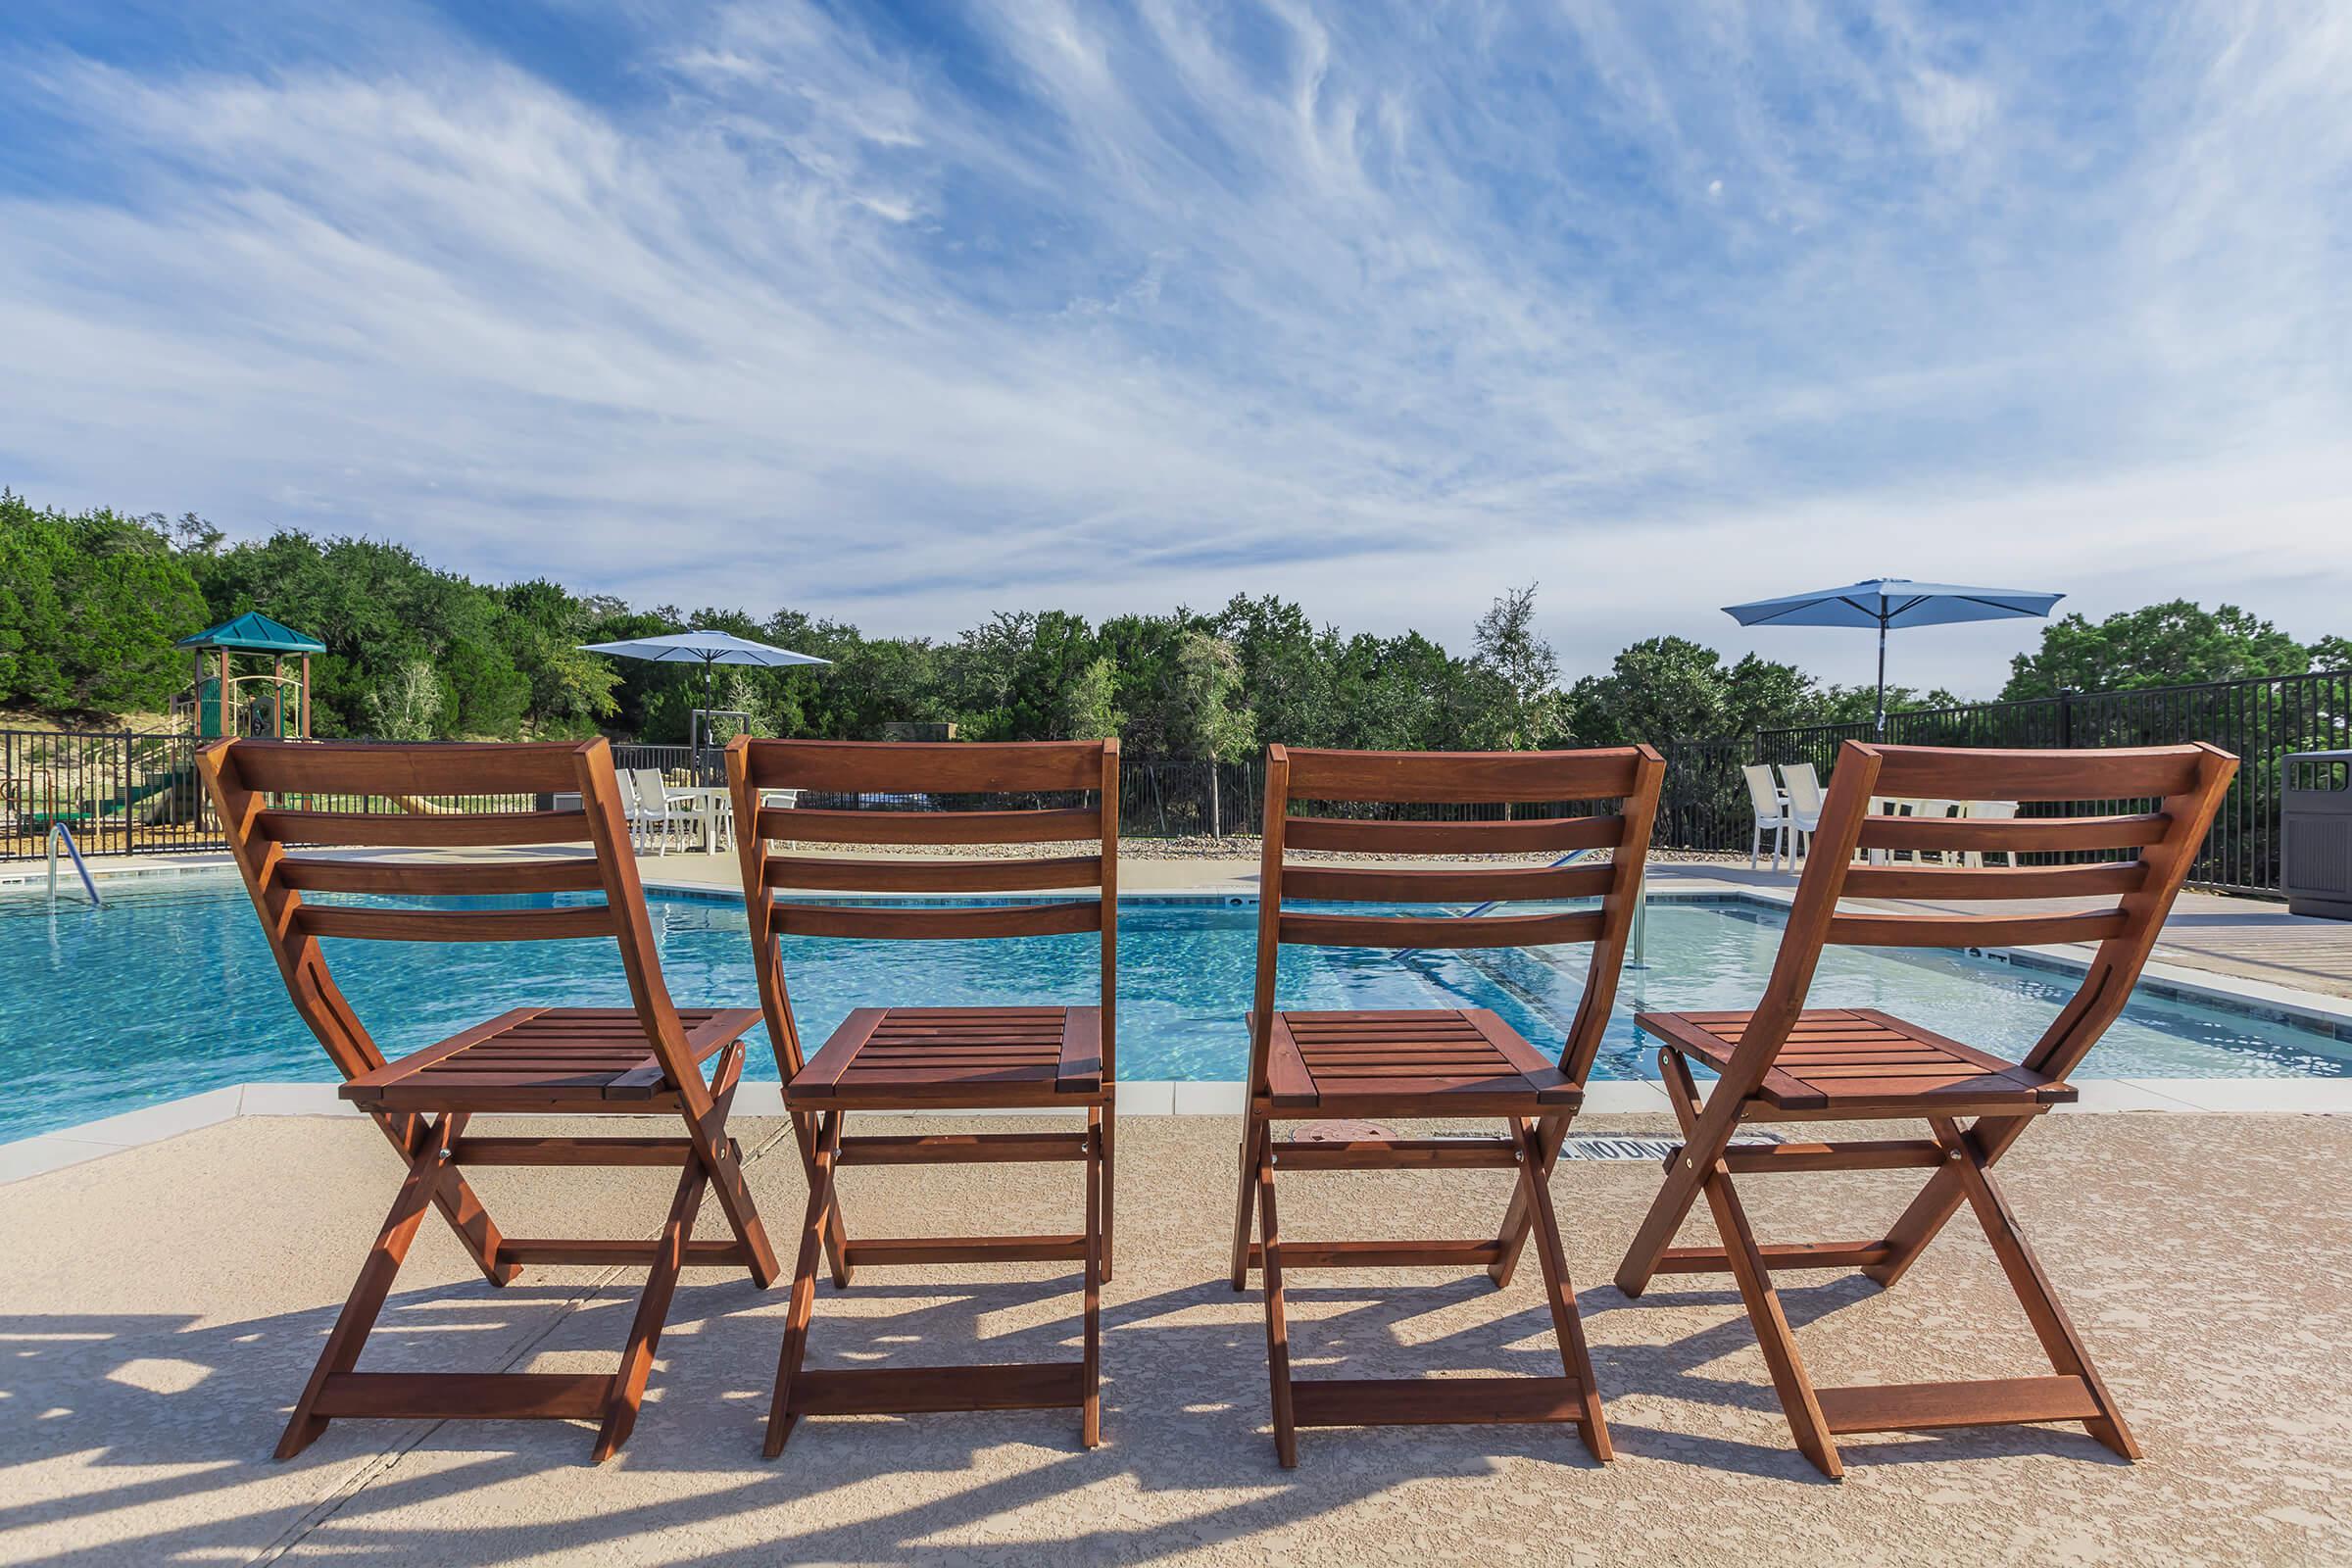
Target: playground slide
column 176, row 779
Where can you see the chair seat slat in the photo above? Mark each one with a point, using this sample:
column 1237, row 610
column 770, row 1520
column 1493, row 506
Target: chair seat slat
column 1927, row 884
column 430, row 769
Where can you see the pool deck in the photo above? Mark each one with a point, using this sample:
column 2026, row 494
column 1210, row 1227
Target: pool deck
column 162, row 1306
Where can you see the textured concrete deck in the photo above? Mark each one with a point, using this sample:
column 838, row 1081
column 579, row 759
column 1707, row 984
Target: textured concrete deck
column 161, row 1307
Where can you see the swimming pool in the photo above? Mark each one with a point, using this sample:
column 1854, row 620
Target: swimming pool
column 169, row 990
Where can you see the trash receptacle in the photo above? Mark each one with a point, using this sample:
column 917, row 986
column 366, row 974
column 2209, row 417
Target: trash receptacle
column 2315, row 836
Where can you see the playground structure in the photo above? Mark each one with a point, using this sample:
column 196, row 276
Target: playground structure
column 225, row 700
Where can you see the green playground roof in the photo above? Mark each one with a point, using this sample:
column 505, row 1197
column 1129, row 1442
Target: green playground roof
column 254, row 633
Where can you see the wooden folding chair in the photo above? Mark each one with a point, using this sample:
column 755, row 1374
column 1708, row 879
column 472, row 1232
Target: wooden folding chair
column 1448, row 1062
column 643, row 1060
column 894, row 1058
column 1784, row 1062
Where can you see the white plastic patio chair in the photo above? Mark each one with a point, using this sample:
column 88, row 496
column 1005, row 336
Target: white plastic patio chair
column 631, row 812
column 660, row 812
column 1805, row 806
column 1984, row 810
column 1772, row 813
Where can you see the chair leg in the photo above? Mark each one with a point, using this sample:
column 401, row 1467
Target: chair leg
column 2051, row 1325
column 723, row 1164
column 1089, row 1419
column 836, row 1234
column 1252, row 1132
column 1551, row 1133
column 1773, row 1333
column 427, row 1171
column 780, row 1419
column 455, row 1198
column 1278, row 1330
column 1567, row 1325
column 652, row 1308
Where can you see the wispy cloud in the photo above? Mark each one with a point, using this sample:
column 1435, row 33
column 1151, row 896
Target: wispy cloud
column 1054, row 304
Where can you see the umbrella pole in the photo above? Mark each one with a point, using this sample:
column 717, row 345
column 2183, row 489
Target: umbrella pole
column 1881, row 725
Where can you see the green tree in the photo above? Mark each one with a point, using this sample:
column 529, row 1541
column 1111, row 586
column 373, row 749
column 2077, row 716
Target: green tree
column 90, row 606
column 1659, row 690
column 1212, row 715
column 1090, row 704
column 1520, row 669
column 2174, row 644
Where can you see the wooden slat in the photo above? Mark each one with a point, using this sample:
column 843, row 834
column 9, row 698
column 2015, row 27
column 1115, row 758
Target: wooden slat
column 1406, row 931
column 1929, row 1407
column 1432, row 1401
column 1975, row 930
column 1400, row 1154
column 907, row 874
column 1552, row 834
column 1443, row 884
column 2024, row 834
column 593, row 1252
column 937, row 925
column 456, row 925
column 898, row 1250
column 928, row 827
column 596, row 1151
column 918, row 1390
column 1383, row 1254
column 1786, row 1255
column 1461, row 777
column 1930, row 884
column 1970, row 773
column 952, row 768
column 494, row 879
column 962, row 1148
column 1078, row 1066
column 408, row 767
column 403, row 830
column 492, row 1395
column 1892, row 1154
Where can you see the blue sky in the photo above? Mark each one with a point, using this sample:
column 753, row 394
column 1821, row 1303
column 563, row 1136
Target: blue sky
column 907, row 314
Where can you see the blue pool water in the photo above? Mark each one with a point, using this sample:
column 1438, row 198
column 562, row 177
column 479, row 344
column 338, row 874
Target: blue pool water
column 169, row 990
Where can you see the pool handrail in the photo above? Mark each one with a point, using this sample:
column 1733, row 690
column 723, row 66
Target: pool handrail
column 57, row 831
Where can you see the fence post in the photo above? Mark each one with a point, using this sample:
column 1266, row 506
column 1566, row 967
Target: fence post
column 2065, row 717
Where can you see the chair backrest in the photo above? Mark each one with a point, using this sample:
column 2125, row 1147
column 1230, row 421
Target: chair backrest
column 927, row 771
column 393, row 786
column 652, row 792
column 1628, row 776
column 626, row 784
column 1804, row 788
column 2184, row 783
column 1762, row 792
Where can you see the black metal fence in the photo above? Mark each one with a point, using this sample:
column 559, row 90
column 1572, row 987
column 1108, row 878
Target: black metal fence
column 125, row 793
column 2259, row 722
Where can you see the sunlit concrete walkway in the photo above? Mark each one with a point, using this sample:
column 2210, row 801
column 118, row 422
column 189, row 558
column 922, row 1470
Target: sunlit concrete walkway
column 160, row 1310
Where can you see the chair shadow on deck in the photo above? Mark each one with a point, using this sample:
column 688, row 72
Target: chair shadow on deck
column 1185, row 1412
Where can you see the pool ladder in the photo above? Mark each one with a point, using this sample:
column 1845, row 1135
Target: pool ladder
column 59, row 831
column 1639, row 941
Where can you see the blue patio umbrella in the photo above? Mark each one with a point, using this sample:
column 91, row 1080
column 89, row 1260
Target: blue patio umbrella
column 1890, row 602
column 703, row 648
